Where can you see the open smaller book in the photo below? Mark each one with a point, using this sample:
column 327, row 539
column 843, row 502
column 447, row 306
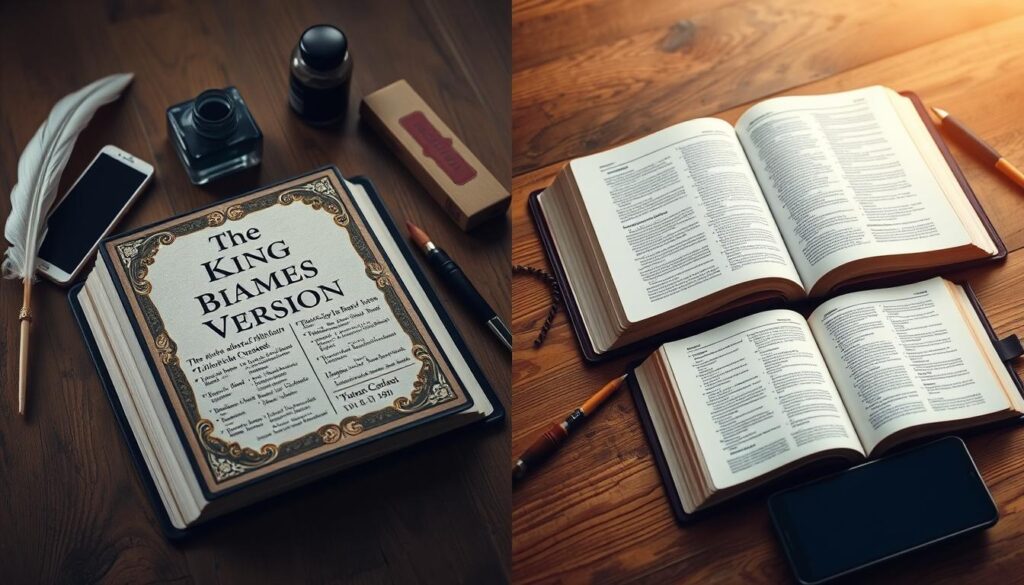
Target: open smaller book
column 804, row 196
column 732, row 408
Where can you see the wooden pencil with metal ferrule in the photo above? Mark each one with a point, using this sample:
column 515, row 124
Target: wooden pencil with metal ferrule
column 978, row 147
column 555, row 435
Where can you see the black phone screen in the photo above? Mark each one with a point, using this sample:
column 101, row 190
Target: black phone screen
column 880, row 509
column 87, row 210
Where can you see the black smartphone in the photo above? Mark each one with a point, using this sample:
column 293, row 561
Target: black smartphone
column 881, row 509
column 92, row 207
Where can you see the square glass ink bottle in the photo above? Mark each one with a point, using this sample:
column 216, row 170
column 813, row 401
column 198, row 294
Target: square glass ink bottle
column 214, row 135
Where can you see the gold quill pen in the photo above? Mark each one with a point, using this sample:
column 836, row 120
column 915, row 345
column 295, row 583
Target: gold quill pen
column 39, row 171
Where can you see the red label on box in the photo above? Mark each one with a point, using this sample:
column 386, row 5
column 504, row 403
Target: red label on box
column 437, row 147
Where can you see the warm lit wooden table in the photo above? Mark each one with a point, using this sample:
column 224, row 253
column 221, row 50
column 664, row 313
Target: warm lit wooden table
column 593, row 73
column 72, row 508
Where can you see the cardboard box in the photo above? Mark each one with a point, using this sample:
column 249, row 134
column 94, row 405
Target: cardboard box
column 440, row 161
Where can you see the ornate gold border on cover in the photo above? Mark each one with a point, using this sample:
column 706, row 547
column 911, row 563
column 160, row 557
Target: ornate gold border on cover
column 228, row 459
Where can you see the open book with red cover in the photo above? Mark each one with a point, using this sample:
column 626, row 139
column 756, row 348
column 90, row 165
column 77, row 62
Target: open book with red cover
column 804, row 196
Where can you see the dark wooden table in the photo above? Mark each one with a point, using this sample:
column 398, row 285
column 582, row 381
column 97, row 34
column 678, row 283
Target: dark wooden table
column 589, row 74
column 72, row 508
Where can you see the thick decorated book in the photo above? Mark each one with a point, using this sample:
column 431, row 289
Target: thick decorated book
column 804, row 197
column 270, row 339
column 775, row 393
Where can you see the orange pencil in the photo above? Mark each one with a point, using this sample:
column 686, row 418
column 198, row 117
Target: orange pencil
column 972, row 142
column 552, row 438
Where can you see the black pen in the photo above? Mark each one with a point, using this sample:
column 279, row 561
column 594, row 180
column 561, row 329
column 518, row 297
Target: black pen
column 456, row 279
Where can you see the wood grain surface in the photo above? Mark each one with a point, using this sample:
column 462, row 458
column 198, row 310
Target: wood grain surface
column 72, row 508
column 590, row 74
column 637, row 69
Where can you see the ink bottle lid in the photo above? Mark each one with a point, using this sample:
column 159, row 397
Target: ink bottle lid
column 320, row 75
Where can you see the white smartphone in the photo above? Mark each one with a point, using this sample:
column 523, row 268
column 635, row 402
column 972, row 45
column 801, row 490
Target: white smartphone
column 90, row 209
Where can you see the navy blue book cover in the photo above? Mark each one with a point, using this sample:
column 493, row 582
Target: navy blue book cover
column 285, row 326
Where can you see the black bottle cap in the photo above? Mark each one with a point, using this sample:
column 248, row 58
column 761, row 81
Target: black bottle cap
column 323, row 47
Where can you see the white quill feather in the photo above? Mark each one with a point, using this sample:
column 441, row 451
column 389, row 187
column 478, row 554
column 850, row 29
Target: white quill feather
column 40, row 168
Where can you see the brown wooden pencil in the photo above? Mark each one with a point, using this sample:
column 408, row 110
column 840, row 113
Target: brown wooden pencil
column 978, row 147
column 553, row 436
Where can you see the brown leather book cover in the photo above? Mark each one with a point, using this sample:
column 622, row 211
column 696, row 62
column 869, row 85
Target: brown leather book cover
column 881, row 280
column 1007, row 348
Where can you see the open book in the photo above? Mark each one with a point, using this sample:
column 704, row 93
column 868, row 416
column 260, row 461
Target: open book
column 265, row 341
column 804, row 195
column 736, row 406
